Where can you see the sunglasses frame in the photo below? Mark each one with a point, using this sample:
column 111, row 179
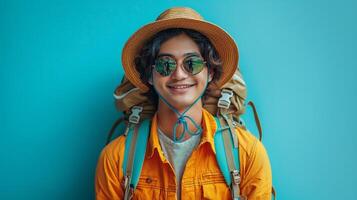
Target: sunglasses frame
column 203, row 61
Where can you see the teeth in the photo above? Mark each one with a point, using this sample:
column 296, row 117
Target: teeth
column 180, row 86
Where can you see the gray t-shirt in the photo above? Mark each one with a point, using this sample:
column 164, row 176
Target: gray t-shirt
column 177, row 153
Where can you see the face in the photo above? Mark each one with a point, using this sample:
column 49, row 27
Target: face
column 180, row 88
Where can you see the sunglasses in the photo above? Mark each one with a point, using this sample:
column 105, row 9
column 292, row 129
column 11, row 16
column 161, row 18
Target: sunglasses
column 165, row 65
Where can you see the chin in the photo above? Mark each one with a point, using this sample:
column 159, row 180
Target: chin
column 181, row 103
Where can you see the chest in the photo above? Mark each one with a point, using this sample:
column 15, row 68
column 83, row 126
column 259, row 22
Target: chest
column 201, row 178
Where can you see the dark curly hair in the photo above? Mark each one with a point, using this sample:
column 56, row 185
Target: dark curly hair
column 148, row 54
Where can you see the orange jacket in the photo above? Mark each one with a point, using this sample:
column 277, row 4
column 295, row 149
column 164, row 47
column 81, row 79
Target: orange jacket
column 202, row 178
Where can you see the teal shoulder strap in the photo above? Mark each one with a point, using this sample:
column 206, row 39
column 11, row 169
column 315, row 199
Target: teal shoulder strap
column 221, row 154
column 139, row 151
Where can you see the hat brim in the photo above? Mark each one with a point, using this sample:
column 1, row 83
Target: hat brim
column 221, row 40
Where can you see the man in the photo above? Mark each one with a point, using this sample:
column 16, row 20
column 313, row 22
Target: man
column 174, row 60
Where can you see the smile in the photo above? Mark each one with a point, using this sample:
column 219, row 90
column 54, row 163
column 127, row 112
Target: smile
column 181, row 86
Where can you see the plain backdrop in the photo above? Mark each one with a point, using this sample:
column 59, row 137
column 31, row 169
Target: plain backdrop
column 60, row 62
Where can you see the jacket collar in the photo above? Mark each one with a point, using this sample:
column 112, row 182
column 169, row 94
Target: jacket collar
column 208, row 125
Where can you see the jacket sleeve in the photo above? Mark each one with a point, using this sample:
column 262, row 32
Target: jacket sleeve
column 107, row 184
column 258, row 175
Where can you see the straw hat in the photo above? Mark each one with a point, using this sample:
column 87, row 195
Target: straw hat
column 181, row 17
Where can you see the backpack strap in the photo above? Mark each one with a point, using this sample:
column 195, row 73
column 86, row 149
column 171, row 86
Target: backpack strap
column 257, row 121
column 273, row 192
column 227, row 155
column 134, row 155
column 112, row 130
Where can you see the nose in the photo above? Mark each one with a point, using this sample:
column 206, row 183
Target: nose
column 179, row 73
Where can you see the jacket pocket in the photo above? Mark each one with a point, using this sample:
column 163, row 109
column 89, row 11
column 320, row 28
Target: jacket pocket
column 148, row 188
column 216, row 191
column 212, row 177
column 214, row 186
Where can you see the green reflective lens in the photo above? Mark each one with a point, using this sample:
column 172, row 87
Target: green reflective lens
column 165, row 66
column 193, row 65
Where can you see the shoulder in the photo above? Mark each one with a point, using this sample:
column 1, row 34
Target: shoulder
column 247, row 141
column 250, row 147
column 114, row 150
column 109, row 175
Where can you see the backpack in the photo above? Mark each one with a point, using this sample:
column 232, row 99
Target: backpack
column 227, row 104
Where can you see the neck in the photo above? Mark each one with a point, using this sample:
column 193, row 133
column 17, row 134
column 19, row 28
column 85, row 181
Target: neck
column 167, row 119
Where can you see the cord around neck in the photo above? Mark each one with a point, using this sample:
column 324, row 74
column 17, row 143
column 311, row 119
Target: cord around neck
column 181, row 117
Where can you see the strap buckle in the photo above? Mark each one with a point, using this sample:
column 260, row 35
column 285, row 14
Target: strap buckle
column 135, row 114
column 239, row 123
column 129, row 191
column 126, row 181
column 235, row 177
column 224, row 101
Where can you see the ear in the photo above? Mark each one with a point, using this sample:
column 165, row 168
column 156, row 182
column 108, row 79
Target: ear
column 210, row 75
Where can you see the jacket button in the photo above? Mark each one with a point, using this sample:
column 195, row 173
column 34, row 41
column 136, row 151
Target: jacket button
column 148, row 180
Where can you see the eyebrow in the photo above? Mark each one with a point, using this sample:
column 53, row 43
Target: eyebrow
column 185, row 55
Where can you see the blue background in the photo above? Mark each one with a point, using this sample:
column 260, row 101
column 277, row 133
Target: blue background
column 60, row 62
